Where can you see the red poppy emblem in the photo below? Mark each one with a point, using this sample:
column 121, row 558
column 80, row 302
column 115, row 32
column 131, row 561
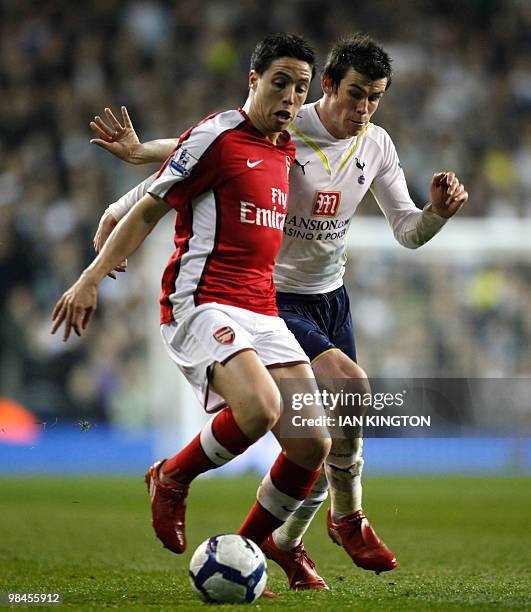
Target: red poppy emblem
column 225, row 335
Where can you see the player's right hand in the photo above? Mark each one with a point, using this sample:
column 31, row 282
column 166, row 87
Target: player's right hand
column 120, row 140
column 105, row 228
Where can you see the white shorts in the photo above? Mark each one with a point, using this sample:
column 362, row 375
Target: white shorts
column 217, row 332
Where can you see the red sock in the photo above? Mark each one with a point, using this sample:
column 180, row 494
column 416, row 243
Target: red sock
column 220, row 440
column 259, row 524
column 281, row 492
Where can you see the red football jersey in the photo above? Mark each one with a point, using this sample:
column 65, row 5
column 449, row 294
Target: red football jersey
column 229, row 186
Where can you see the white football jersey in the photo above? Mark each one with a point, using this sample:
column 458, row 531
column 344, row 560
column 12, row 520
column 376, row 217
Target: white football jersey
column 327, row 183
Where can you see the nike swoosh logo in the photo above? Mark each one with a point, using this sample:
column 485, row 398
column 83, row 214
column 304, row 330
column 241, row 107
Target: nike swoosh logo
column 288, row 509
column 251, row 164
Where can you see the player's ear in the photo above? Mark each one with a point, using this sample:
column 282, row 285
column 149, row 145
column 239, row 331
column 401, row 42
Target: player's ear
column 326, row 84
column 253, row 80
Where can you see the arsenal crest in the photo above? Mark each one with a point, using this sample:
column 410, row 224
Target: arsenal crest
column 224, row 335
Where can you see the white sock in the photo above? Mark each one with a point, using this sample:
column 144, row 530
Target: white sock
column 343, row 468
column 290, row 533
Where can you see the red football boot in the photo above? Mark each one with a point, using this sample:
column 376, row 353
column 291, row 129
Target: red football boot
column 355, row 534
column 299, row 568
column 168, row 505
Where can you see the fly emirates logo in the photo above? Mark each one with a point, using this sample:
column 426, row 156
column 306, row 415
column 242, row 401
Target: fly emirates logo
column 267, row 217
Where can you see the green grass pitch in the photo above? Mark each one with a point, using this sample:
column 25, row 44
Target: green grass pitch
column 462, row 543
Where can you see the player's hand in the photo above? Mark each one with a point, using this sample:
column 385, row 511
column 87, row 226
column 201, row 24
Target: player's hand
column 120, row 140
column 447, row 194
column 105, row 228
column 76, row 307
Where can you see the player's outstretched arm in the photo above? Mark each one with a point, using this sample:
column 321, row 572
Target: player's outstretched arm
column 105, row 228
column 413, row 227
column 448, row 195
column 122, row 140
column 77, row 305
column 116, row 211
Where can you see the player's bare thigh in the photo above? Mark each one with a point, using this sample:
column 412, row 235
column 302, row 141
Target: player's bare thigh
column 335, row 364
column 334, row 372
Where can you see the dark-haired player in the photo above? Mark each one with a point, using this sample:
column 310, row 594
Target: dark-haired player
column 228, row 182
column 340, row 155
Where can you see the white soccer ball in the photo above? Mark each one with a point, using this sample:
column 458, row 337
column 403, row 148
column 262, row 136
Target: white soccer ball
column 228, row 569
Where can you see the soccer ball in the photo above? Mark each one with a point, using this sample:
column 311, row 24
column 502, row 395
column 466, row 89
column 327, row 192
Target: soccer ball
column 228, row 569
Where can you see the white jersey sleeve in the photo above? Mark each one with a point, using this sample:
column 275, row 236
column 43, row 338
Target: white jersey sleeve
column 411, row 227
column 124, row 204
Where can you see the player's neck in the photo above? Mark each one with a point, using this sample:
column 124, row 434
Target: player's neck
column 254, row 118
column 322, row 110
column 259, row 125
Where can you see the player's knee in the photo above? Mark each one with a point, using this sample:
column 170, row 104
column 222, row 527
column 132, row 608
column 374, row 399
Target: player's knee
column 266, row 417
column 260, row 410
column 312, row 453
column 323, row 448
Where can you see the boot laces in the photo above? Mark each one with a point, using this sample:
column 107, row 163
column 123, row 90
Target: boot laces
column 301, row 556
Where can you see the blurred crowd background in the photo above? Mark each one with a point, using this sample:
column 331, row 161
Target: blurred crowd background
column 460, row 99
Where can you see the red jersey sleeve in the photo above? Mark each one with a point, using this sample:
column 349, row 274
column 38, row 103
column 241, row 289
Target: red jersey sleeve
column 194, row 166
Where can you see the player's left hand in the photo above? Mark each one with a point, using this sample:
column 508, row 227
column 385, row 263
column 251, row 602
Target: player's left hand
column 447, row 194
column 76, row 307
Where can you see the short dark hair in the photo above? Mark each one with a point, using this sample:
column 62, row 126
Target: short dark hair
column 278, row 45
column 360, row 52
